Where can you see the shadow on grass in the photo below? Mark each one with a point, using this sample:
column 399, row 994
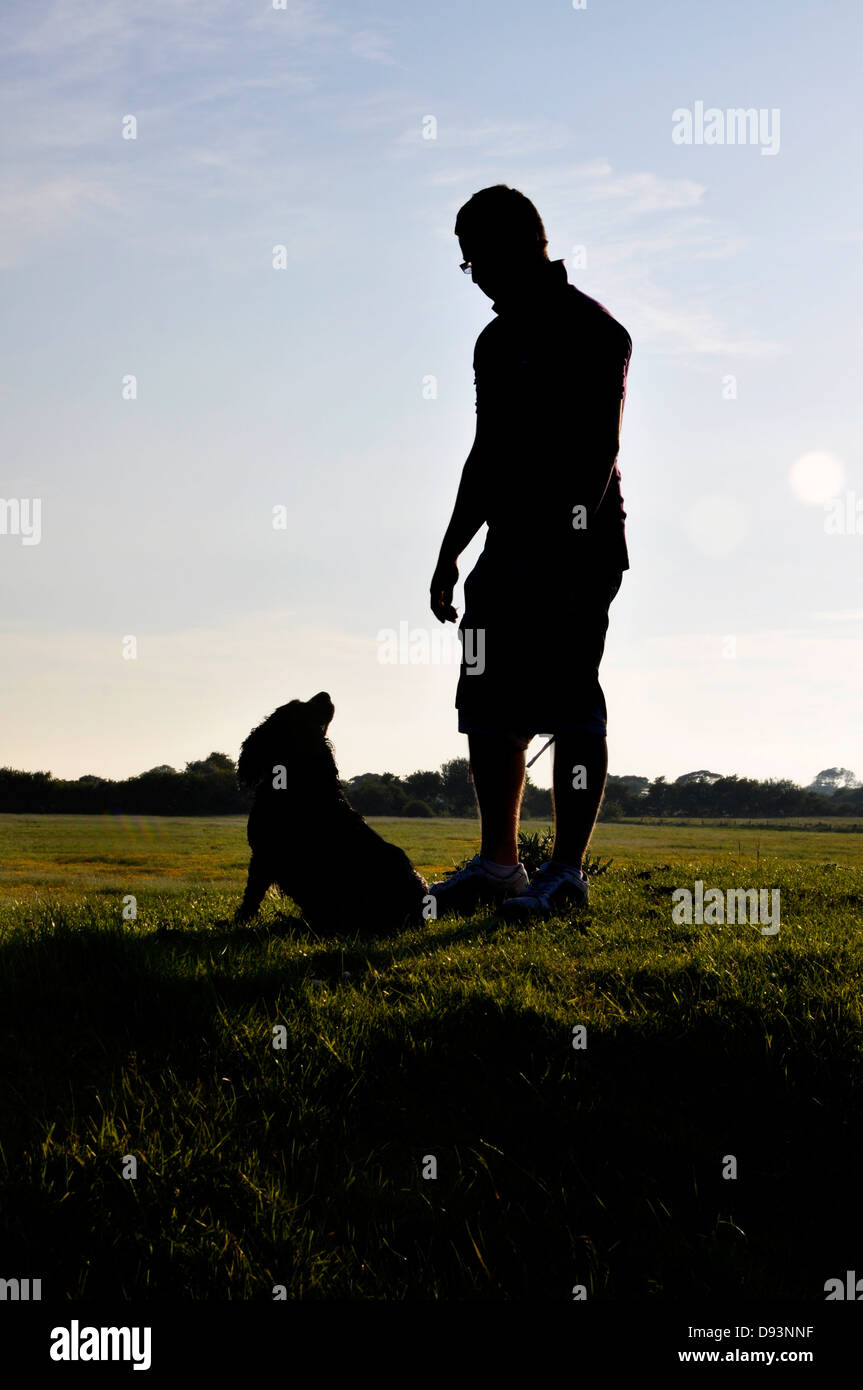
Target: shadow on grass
column 554, row 1167
column 448, row 932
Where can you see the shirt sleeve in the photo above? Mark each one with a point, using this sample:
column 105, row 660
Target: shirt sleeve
column 610, row 395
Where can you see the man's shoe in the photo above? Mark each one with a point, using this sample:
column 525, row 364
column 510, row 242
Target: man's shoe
column 554, row 889
column 473, row 887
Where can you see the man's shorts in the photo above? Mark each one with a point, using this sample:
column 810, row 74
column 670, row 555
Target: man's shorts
column 531, row 651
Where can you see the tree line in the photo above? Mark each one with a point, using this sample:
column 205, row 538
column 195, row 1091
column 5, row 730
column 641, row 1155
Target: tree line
column 209, row 787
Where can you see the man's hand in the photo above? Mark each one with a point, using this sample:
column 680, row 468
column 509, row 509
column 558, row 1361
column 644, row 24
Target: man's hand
column 441, row 589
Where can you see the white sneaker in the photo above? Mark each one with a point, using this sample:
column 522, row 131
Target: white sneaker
column 473, row 886
column 553, row 889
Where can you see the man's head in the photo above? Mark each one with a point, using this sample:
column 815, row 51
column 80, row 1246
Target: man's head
column 502, row 236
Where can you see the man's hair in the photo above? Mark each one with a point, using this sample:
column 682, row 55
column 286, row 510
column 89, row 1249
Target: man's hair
column 503, row 216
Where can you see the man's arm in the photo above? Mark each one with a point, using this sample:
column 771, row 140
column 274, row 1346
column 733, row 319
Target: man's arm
column 467, row 517
column 468, row 514
column 471, row 503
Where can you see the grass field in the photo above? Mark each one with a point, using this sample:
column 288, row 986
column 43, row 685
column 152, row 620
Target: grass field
column 64, row 856
column 303, row 1166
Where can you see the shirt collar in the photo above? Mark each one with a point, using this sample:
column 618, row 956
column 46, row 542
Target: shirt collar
column 550, row 281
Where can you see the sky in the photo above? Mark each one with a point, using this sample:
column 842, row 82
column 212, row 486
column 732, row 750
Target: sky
column 238, row 387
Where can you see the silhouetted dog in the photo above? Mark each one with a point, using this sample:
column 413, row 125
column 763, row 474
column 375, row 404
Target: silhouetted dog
column 307, row 838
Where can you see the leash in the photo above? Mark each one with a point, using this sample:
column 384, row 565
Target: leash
column 540, row 753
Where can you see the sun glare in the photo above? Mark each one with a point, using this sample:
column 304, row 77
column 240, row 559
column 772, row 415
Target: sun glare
column 816, row 477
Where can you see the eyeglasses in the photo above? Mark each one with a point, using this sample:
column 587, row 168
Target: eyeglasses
column 492, row 259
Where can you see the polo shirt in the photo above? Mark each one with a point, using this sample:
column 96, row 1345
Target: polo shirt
column 550, row 375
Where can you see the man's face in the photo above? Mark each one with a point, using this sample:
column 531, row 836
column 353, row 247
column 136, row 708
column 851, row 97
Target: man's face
column 495, row 268
column 487, row 268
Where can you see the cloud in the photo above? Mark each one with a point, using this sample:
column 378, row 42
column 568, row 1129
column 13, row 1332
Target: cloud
column 94, row 36
column 220, row 93
column 496, row 139
column 48, row 209
column 373, row 47
column 638, row 192
column 669, row 328
column 639, row 229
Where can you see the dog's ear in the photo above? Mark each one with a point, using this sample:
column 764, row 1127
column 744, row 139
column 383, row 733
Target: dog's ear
column 256, row 755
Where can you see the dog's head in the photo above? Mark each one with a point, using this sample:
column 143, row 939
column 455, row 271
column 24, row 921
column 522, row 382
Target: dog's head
column 294, row 735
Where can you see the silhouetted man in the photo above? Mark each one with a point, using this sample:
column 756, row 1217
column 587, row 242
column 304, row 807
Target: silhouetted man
column 550, row 374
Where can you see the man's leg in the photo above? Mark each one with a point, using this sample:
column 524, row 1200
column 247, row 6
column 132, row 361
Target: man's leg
column 582, row 760
column 581, row 756
column 497, row 766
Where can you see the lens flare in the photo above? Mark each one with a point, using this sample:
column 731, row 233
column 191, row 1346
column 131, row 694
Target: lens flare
column 816, row 477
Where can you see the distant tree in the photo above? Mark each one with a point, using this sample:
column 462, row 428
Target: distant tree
column 692, row 794
column 634, row 785
column 25, row 791
column 779, row 797
column 834, row 779
column 536, row 801
column 846, row 803
column 628, row 792
column 657, row 799
column 425, row 786
column 216, row 762
column 376, row 794
column 457, row 788
column 209, row 786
